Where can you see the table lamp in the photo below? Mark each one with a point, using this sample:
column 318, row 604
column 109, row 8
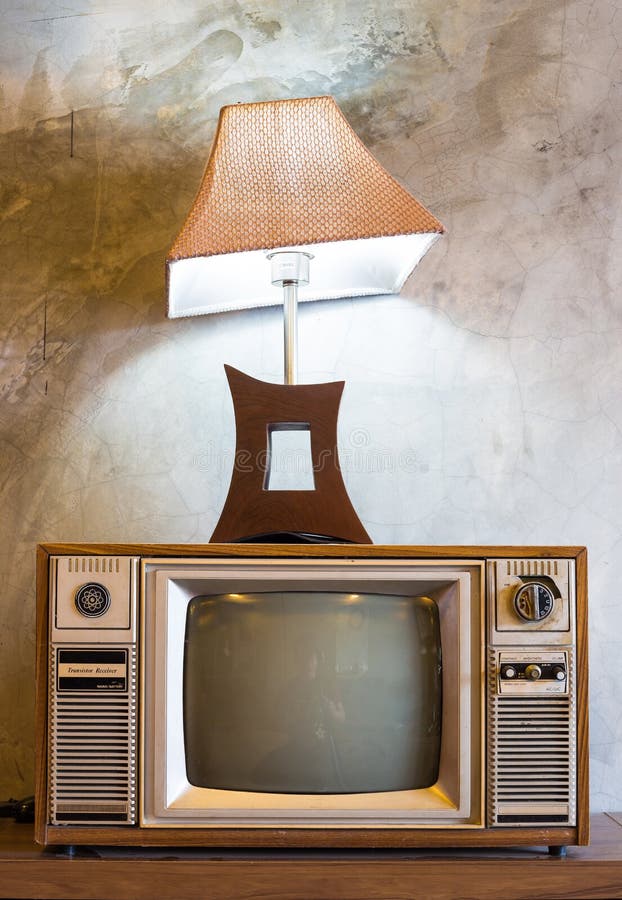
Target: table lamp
column 291, row 199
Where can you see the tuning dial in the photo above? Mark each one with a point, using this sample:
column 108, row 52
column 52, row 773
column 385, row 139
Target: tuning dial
column 533, row 672
column 534, row 601
column 508, row 672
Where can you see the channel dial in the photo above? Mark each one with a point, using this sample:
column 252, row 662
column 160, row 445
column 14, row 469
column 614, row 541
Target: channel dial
column 533, row 601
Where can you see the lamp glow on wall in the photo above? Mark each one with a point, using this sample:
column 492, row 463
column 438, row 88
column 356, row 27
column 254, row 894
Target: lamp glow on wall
column 288, row 186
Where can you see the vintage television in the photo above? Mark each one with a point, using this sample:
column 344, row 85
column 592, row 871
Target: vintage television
column 341, row 696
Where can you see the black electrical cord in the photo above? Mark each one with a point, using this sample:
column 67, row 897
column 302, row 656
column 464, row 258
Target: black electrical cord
column 20, row 810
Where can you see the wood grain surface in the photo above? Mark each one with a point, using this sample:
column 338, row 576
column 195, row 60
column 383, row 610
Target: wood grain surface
column 28, row 871
column 250, row 509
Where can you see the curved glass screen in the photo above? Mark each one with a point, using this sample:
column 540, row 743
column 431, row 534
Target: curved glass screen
column 312, row 692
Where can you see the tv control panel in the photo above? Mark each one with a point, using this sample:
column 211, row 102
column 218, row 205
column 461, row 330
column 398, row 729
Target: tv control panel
column 531, row 692
column 532, row 673
column 92, row 685
column 531, row 602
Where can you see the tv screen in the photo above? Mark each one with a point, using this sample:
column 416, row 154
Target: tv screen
column 312, row 692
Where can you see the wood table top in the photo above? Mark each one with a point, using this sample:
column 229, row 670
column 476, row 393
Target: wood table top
column 30, row 871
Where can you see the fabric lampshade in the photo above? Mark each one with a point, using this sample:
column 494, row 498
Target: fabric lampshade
column 292, row 174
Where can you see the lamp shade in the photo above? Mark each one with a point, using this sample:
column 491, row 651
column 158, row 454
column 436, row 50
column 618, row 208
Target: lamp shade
column 292, row 174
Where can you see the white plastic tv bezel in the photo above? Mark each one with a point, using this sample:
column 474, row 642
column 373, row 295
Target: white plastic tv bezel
column 167, row 799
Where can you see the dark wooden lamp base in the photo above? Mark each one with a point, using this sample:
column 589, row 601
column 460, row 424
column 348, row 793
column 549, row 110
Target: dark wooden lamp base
column 251, row 510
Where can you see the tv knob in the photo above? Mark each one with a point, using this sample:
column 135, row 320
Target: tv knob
column 559, row 673
column 508, row 672
column 92, row 600
column 534, row 601
column 533, row 672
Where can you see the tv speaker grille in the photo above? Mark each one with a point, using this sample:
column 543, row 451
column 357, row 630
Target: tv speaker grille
column 533, row 567
column 93, row 752
column 94, row 565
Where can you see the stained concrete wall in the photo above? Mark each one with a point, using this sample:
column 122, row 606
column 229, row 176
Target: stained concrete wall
column 482, row 406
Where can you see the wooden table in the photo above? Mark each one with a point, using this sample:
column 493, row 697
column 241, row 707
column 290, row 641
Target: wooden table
column 28, row 871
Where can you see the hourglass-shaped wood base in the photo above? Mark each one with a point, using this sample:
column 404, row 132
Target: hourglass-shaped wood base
column 251, row 510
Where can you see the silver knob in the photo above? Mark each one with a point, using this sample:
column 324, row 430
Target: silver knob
column 534, row 601
column 533, row 672
column 508, row 672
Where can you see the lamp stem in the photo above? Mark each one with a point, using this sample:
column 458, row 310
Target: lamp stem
column 290, row 331
column 289, row 269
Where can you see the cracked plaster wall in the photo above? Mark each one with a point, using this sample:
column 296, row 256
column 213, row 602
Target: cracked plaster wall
column 481, row 406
